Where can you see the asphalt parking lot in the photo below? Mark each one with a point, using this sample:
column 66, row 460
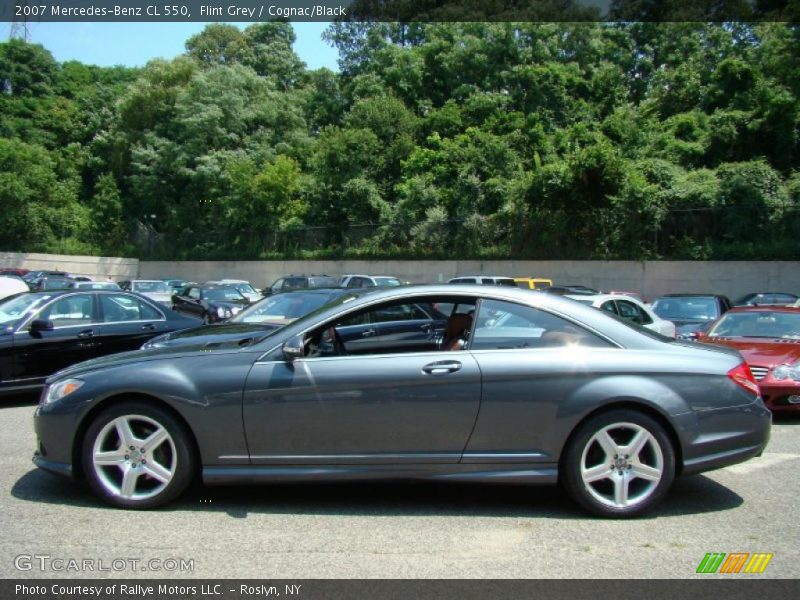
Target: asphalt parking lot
column 393, row 530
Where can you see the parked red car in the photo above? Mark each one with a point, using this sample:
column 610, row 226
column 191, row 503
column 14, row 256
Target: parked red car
column 769, row 339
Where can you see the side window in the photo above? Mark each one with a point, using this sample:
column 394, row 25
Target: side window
column 293, row 283
column 504, row 325
column 119, row 308
column 487, row 281
column 629, row 311
column 277, row 286
column 69, row 311
column 355, row 282
column 400, row 312
column 194, row 293
column 609, row 306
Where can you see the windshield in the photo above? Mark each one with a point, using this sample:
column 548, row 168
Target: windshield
column 283, row 307
column 387, row 281
column 149, row 286
column 227, row 294
column 758, row 324
column 14, row 310
column 244, row 288
column 701, row 308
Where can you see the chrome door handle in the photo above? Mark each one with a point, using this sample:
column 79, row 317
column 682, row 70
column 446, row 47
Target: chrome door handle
column 87, row 333
column 441, row 367
column 368, row 333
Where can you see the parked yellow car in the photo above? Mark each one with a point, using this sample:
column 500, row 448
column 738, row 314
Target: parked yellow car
column 532, row 283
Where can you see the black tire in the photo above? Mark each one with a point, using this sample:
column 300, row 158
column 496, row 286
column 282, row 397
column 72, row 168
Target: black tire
column 635, row 484
column 173, row 455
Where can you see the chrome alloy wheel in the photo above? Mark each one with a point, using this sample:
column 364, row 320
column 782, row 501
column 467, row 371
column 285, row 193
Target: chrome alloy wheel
column 621, row 465
column 134, row 457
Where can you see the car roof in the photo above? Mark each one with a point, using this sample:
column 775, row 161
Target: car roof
column 766, row 308
column 588, row 316
column 603, row 297
column 692, row 295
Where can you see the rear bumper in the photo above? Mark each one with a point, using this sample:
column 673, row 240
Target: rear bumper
column 727, row 436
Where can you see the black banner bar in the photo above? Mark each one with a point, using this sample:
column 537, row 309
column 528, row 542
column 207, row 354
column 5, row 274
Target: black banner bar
column 398, row 10
column 731, row 588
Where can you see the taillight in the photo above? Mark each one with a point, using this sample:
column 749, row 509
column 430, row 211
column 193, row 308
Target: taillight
column 741, row 376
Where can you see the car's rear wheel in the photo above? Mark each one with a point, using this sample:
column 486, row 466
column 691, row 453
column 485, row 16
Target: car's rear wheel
column 136, row 455
column 618, row 464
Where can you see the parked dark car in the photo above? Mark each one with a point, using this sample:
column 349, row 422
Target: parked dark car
column 566, row 394
column 691, row 313
column 768, row 337
column 50, row 282
column 766, row 298
column 33, row 275
column 42, row 332
column 211, row 303
column 176, row 285
column 298, row 282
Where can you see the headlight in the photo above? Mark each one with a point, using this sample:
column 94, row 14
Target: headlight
column 61, row 390
column 782, row 372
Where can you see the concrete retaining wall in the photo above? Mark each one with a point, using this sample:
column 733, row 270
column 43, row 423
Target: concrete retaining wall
column 651, row 278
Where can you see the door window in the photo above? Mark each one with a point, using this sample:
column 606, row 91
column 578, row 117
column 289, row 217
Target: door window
column 118, row 308
column 69, row 311
column 505, row 325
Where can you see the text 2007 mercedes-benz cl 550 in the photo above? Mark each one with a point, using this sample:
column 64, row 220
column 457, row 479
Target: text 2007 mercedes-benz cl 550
column 503, row 385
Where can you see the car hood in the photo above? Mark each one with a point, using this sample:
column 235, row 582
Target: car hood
column 687, row 325
column 208, row 336
column 762, row 351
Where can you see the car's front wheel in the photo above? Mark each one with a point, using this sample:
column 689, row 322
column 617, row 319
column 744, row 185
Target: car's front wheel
column 618, row 464
column 137, row 455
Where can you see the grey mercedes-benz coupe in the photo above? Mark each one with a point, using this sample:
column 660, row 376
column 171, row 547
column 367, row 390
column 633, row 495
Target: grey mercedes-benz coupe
column 499, row 385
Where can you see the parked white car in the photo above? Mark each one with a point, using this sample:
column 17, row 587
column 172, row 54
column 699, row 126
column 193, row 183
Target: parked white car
column 155, row 289
column 631, row 309
column 245, row 288
column 364, row 281
column 484, row 280
column 12, row 285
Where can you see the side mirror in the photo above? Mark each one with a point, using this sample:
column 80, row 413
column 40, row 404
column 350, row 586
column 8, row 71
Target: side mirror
column 41, row 325
column 293, row 348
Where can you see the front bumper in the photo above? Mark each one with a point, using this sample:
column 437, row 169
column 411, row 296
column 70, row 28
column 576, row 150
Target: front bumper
column 776, row 394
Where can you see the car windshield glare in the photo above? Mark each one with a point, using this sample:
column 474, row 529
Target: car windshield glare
column 150, row 286
column 387, row 281
column 228, row 294
column 17, row 309
column 767, row 324
column 283, row 306
column 695, row 309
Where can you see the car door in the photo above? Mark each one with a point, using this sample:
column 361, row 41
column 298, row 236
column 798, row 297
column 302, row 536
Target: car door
column 371, row 408
column 531, row 361
column 189, row 302
column 39, row 353
column 126, row 322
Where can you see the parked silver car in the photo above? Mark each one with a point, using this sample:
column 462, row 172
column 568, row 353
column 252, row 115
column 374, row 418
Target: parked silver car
column 495, row 385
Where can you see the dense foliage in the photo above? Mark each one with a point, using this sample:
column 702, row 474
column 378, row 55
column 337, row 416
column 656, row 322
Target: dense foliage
column 531, row 140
